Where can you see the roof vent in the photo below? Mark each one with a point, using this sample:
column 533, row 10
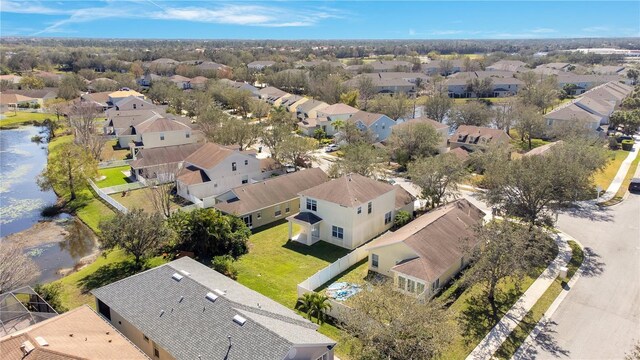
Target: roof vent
column 41, row 341
column 177, row 277
column 211, row 296
column 27, row 347
column 219, row 292
column 239, row 320
column 161, row 313
column 185, row 273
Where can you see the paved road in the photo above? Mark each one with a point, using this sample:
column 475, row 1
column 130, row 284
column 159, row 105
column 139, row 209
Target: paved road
column 600, row 317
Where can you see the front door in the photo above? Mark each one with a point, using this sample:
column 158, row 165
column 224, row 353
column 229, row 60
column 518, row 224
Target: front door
column 315, row 231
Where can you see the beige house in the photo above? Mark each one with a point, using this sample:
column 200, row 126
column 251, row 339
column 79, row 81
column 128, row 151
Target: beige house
column 116, row 96
column 213, row 170
column 473, row 138
column 160, row 163
column 328, row 115
column 267, row 201
column 425, row 254
column 134, row 103
column 186, row 310
column 156, row 132
column 310, row 108
column 348, row 211
column 442, row 129
column 14, row 101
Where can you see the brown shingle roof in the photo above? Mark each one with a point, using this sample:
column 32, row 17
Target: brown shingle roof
column 159, row 125
column 338, row 109
column 469, row 134
column 192, row 175
column 403, row 197
column 13, row 98
column 423, row 120
column 365, row 117
column 460, row 153
column 349, row 190
column 253, row 197
column 209, row 155
column 77, row 334
column 163, row 155
column 437, row 239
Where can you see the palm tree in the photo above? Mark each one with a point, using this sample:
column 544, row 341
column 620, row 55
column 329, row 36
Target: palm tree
column 314, row 305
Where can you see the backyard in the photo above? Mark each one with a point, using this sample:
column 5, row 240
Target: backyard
column 11, row 119
column 110, row 151
column 113, row 176
column 141, row 199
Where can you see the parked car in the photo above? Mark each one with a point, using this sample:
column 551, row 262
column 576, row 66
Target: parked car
column 331, row 148
column 634, row 185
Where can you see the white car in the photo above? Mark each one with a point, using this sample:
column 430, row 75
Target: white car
column 331, row 148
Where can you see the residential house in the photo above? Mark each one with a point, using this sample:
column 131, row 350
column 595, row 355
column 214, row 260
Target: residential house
column 148, row 79
column 93, row 84
column 348, row 211
column 97, row 99
column 609, row 69
column 186, row 310
column 120, row 121
column 378, row 124
column 289, row 98
column 583, row 83
column 242, row 86
column 270, row 94
column 42, row 94
column 473, row 138
column 503, row 83
column 293, row 107
column 554, row 68
column 443, row 67
column 327, row 116
column 155, row 132
column 424, row 255
column 570, row 113
column 14, row 101
column 391, row 82
column 213, row 67
column 310, row 108
column 382, row 66
column 508, row 65
column 260, row 65
column 183, row 83
column 214, row 169
column 80, row 333
column 198, row 82
column 116, row 96
column 270, row 200
column 13, row 79
column 134, row 103
column 317, row 63
column 160, row 163
column 442, row 129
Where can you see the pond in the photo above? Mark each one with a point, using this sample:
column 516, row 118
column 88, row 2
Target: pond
column 22, row 201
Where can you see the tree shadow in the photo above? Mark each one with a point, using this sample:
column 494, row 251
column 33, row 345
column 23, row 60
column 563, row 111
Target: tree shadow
column 589, row 211
column 321, row 250
column 592, row 265
column 107, row 274
column 477, row 319
column 544, row 340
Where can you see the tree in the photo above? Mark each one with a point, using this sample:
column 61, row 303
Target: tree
column 394, row 326
column 209, row 233
column 296, row 150
column 628, row 120
column 480, row 87
column 470, row 113
column 526, row 188
column 137, row 233
column 540, row 93
column 350, row 98
column 70, row 86
column 366, row 90
column 401, row 219
column 161, row 188
column 395, row 107
column 633, row 74
column 69, row 168
column 136, row 69
column 529, row 123
column 224, row 265
column 314, row 305
column 350, row 133
column 360, row 158
column 438, row 177
column 437, row 105
column 275, row 136
column 52, row 294
column 57, row 107
column 162, row 91
column 31, row 82
column 259, row 109
column 236, row 132
column 82, row 119
column 505, row 250
column 16, row 269
column 413, row 140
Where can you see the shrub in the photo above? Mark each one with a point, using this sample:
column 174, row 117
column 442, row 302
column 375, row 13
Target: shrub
column 51, row 294
column 224, row 265
column 613, row 143
column 401, row 219
column 627, row 145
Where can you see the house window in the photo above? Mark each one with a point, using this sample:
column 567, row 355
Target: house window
column 234, row 166
column 401, row 282
column 419, row 288
column 188, row 135
column 369, row 207
column 359, row 209
column 248, row 220
column 411, row 286
column 245, row 179
column 277, row 211
column 145, row 337
column 161, row 136
column 337, row 232
column 287, row 209
column 312, row 205
column 104, row 310
column 387, row 218
column 259, row 215
column 134, row 106
column 435, row 285
column 374, row 260
column 156, row 353
column 246, row 162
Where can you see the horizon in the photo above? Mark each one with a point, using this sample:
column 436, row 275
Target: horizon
column 319, row 20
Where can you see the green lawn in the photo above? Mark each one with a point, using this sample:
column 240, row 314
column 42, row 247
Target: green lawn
column 625, row 184
column 604, row 177
column 523, row 146
column 111, row 152
column 114, row 176
column 520, row 333
column 275, row 266
column 11, row 119
column 141, row 199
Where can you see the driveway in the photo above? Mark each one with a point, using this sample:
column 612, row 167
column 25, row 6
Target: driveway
column 600, row 317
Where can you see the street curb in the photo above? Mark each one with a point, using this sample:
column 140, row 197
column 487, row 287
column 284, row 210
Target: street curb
column 544, row 320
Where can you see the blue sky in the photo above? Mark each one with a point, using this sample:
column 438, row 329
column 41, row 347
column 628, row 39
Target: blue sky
column 320, row 19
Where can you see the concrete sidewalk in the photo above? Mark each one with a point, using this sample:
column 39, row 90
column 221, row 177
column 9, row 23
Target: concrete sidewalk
column 499, row 333
column 621, row 174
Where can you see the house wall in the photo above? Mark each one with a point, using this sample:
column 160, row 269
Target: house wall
column 389, row 256
column 171, row 138
column 328, row 125
column 136, row 336
column 382, row 128
column 268, row 214
column 134, row 104
column 312, row 352
column 124, row 140
column 443, row 147
column 551, row 122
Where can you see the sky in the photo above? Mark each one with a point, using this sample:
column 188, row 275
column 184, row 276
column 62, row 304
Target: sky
column 338, row 19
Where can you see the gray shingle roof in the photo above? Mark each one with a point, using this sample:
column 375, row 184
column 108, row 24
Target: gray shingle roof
column 196, row 327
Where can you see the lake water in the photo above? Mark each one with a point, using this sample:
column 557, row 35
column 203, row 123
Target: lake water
column 21, row 203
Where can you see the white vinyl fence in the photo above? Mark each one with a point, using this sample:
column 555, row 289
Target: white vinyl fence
column 123, row 187
column 113, row 163
column 108, row 198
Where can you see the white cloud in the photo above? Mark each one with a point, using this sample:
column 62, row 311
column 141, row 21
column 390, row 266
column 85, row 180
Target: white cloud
column 543, row 31
column 596, row 29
